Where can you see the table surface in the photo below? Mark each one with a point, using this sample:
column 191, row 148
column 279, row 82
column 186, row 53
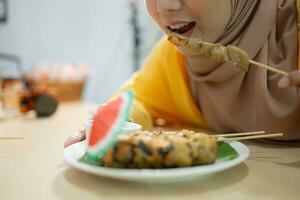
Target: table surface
column 34, row 168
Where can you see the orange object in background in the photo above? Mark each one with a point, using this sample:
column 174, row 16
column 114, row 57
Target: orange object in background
column 62, row 91
column 39, row 100
column 26, row 102
column 9, row 93
column 67, row 81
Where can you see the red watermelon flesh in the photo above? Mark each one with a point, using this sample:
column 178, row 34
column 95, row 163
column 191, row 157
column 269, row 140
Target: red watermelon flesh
column 103, row 121
column 107, row 125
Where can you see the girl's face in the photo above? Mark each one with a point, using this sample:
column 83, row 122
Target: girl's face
column 204, row 19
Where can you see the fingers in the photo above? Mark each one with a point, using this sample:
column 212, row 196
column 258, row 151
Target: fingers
column 77, row 137
column 284, row 82
column 293, row 79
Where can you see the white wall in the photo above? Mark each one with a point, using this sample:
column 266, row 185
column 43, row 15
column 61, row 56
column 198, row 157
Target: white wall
column 96, row 32
column 149, row 31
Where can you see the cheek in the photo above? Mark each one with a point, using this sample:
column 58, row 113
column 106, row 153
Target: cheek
column 151, row 8
column 152, row 12
column 199, row 8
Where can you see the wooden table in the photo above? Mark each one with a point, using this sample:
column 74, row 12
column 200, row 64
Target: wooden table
column 33, row 168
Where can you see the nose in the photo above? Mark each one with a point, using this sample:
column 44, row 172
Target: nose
column 164, row 6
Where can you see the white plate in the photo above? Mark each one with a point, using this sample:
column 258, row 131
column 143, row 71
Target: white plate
column 74, row 152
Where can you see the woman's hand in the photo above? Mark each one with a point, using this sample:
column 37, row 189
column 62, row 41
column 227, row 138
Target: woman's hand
column 77, row 137
column 293, row 79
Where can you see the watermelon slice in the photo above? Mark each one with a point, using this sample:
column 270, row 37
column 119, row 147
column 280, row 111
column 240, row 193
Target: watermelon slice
column 108, row 123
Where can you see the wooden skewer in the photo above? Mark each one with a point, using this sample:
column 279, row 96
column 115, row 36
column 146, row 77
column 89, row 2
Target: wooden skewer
column 251, row 137
column 273, row 69
column 199, row 41
column 240, row 134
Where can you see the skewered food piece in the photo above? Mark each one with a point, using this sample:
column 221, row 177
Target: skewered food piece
column 216, row 51
column 147, row 149
column 221, row 53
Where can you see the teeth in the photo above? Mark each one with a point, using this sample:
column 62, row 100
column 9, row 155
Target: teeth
column 178, row 26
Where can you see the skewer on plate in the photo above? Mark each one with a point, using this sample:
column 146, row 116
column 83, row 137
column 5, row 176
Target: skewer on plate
column 246, row 136
column 252, row 137
column 239, row 134
column 220, row 52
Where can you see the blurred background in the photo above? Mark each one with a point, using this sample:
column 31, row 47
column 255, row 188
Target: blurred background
column 86, row 49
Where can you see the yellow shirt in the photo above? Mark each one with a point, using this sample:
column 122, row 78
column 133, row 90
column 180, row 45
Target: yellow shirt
column 161, row 90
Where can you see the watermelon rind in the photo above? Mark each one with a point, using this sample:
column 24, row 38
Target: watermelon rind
column 100, row 149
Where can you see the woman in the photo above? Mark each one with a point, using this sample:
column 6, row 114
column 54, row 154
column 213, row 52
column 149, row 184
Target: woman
column 182, row 87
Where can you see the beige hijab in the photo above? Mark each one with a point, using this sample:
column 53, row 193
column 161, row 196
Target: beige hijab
column 232, row 100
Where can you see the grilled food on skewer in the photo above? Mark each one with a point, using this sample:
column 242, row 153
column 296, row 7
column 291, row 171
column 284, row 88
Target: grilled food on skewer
column 162, row 150
column 221, row 53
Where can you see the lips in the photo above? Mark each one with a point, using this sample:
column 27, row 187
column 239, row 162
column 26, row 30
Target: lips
column 182, row 28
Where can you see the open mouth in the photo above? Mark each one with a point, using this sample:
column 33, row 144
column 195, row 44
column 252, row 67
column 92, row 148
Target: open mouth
column 182, row 28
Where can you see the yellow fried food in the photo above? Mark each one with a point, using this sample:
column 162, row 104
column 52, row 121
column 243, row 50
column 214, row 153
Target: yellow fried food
column 159, row 149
